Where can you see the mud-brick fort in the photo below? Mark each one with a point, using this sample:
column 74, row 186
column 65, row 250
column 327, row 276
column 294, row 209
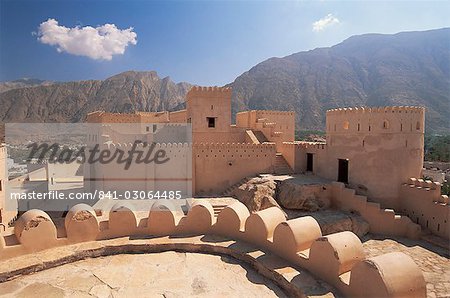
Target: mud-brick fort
column 374, row 156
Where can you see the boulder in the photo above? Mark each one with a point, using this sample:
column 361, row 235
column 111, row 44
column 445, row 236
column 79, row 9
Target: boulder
column 257, row 194
column 306, row 197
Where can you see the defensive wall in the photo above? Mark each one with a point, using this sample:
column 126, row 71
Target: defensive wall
column 7, row 215
column 221, row 165
column 423, row 203
column 338, row 259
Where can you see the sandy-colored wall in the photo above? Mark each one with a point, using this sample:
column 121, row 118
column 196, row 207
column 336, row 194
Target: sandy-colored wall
column 219, row 166
column 423, row 203
column 178, row 116
column 6, row 216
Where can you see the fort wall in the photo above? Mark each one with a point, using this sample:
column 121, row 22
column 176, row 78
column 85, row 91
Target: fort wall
column 7, row 215
column 338, row 259
column 218, row 166
column 423, row 203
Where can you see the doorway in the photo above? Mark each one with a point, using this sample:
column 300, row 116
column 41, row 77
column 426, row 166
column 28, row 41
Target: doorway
column 343, row 171
column 309, row 162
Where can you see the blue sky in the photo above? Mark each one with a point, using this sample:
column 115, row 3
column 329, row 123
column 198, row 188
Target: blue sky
column 201, row 42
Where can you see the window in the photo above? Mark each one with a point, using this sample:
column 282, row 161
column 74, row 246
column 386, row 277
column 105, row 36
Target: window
column 346, row 125
column 211, row 122
column 212, row 107
column 359, row 127
column 189, row 120
column 385, row 124
column 147, row 129
column 1, row 185
column 418, row 125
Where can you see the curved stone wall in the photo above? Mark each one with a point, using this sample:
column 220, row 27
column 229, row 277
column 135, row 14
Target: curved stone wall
column 338, row 258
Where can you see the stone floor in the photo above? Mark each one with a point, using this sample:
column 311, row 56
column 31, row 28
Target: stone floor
column 432, row 260
column 167, row 274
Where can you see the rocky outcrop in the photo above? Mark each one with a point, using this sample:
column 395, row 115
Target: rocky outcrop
column 257, row 194
column 306, row 197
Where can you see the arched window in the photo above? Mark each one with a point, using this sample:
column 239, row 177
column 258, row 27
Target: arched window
column 359, row 127
column 346, row 125
column 385, row 124
column 418, row 125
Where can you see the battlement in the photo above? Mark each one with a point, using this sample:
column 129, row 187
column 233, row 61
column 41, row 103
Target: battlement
column 372, row 110
column 249, row 146
column 423, row 202
column 261, row 113
column 338, row 259
column 305, row 145
column 198, row 91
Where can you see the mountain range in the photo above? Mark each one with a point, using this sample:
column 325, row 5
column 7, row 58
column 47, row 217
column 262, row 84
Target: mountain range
column 408, row 68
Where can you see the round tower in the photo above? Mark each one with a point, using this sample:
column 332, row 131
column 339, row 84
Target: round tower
column 375, row 149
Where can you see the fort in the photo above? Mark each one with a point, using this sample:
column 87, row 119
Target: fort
column 374, row 156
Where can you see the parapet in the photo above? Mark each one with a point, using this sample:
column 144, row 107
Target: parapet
column 338, row 258
column 198, row 91
column 387, row 109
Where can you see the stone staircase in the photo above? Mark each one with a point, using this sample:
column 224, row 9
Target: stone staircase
column 260, row 136
column 281, row 166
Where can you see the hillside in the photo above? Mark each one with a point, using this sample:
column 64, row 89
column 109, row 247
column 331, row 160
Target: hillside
column 410, row 68
column 70, row 102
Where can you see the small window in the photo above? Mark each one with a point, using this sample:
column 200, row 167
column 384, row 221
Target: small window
column 1, row 185
column 211, row 122
column 212, row 107
column 401, row 127
column 385, row 124
column 147, row 129
column 189, row 120
column 359, row 127
column 346, row 125
column 418, row 125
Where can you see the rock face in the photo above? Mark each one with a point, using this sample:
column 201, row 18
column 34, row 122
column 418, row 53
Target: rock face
column 408, row 68
column 257, row 194
column 306, row 197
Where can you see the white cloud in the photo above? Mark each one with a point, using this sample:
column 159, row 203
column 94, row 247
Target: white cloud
column 99, row 43
column 326, row 21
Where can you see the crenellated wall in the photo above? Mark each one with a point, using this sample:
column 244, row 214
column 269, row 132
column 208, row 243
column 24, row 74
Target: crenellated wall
column 381, row 221
column 423, row 203
column 338, row 259
column 218, row 166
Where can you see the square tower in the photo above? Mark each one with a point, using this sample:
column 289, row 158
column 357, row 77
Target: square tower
column 209, row 110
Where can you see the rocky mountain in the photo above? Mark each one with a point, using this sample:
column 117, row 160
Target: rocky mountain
column 70, row 102
column 5, row 86
column 409, row 68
